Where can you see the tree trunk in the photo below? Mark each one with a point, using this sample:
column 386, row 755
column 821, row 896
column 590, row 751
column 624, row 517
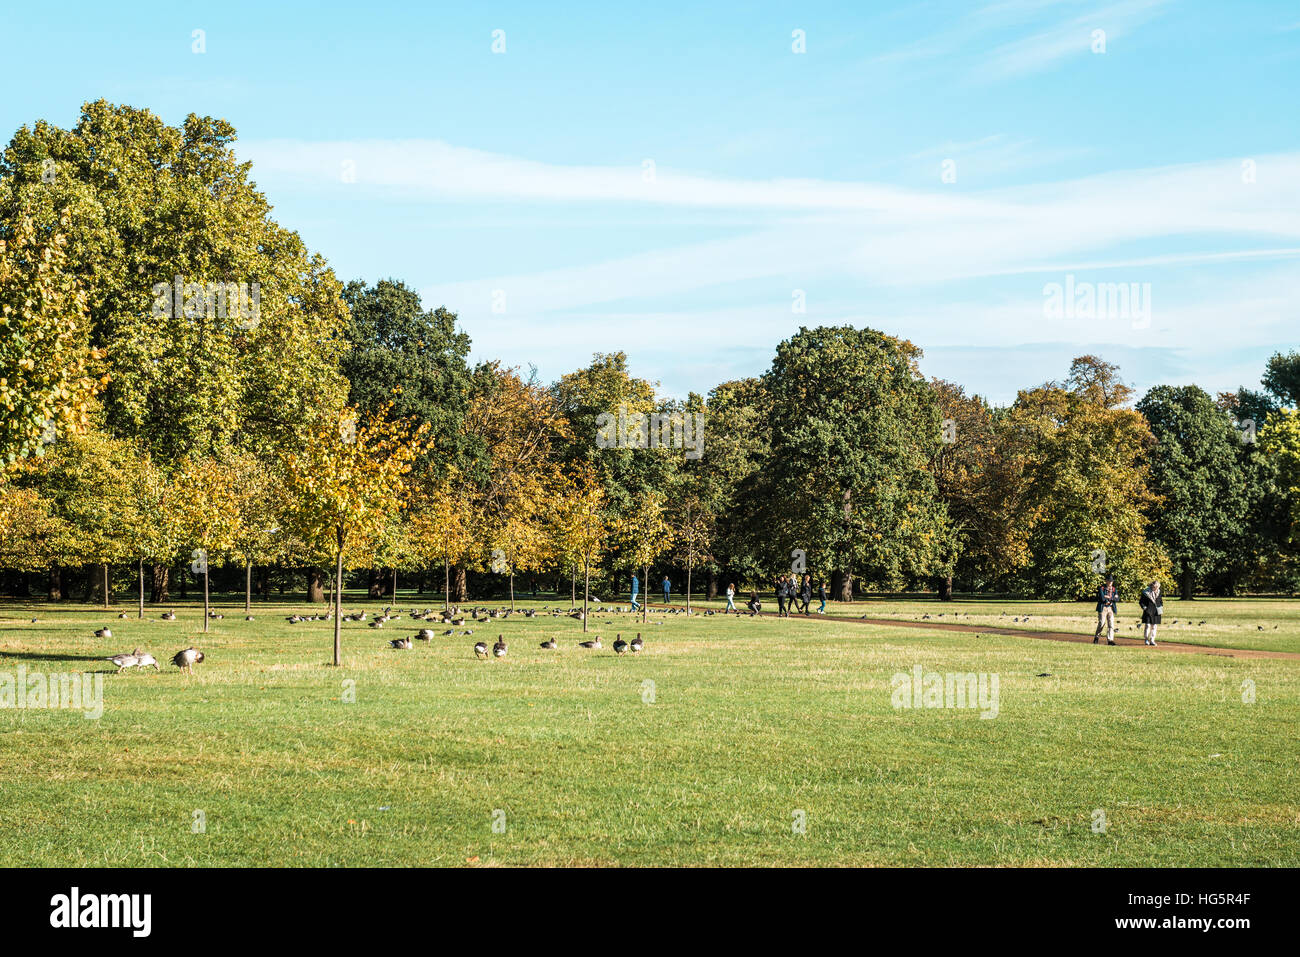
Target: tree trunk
column 712, row 591
column 248, row 588
column 462, row 587
column 573, row 588
column 105, row 586
column 512, row 587
column 375, row 587
column 206, row 576
column 586, row 591
column 158, row 591
column 56, row 583
column 338, row 605
column 141, row 614
column 1189, row 585
column 945, row 588
column 645, row 605
column 394, row 584
column 446, row 586
column 690, row 558
column 315, row 585
column 842, row 582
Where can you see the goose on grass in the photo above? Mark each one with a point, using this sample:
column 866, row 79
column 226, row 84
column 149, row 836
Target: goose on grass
column 187, row 658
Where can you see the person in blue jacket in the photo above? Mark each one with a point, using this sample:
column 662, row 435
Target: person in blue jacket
column 636, row 587
column 668, row 587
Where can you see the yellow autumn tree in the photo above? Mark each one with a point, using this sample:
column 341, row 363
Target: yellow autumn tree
column 441, row 528
column 203, row 503
column 49, row 373
column 578, row 526
column 344, row 483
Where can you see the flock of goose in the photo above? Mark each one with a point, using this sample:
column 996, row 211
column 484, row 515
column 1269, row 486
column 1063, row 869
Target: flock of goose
column 187, row 658
column 499, row 649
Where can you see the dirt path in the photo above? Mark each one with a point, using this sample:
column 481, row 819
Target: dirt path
column 1162, row 645
column 1166, row 646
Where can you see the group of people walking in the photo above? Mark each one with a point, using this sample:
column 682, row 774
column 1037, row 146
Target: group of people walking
column 792, row 594
column 1150, row 601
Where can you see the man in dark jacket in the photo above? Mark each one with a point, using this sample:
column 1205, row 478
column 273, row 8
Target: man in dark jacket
column 781, row 595
column 805, row 595
column 1107, row 605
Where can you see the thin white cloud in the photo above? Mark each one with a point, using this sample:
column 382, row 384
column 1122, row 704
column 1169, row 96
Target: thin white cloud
column 1072, row 38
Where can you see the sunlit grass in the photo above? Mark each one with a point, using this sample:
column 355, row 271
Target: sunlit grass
column 699, row 751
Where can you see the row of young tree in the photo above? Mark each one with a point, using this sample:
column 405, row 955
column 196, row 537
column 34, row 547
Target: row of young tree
column 344, row 428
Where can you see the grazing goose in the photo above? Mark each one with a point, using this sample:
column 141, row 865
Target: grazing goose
column 424, row 634
column 186, row 659
column 124, row 661
column 620, row 646
column 248, row 618
column 146, row 660
column 123, row 615
column 403, row 644
column 377, row 623
column 550, row 644
column 104, row 633
column 499, row 649
column 595, row 643
column 637, row 643
column 480, row 649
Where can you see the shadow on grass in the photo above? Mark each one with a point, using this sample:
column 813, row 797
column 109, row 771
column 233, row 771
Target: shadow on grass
column 35, row 656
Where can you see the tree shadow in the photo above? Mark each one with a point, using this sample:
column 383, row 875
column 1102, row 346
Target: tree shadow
column 34, row 656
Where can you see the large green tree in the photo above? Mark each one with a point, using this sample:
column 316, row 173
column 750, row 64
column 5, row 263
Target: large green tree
column 854, row 427
column 1198, row 470
column 411, row 361
column 143, row 203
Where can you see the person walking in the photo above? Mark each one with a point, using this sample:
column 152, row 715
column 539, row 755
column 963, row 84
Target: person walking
column 1107, row 604
column 636, row 587
column 1153, row 607
column 668, row 587
column 780, row 597
column 805, row 595
column 821, row 593
column 731, row 600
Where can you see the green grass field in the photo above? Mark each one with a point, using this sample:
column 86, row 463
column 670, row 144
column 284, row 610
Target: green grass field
column 752, row 727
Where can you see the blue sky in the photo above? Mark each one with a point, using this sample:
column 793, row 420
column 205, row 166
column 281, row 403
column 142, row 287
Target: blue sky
column 676, row 182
